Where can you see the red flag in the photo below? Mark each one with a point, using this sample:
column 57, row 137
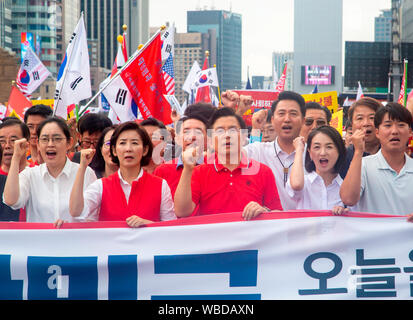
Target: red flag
column 143, row 77
column 281, row 83
column 17, row 102
column 202, row 94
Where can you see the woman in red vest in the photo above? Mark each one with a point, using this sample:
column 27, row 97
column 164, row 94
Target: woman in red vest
column 130, row 194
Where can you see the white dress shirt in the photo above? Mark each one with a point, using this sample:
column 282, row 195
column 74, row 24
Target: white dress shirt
column 93, row 198
column 47, row 198
column 316, row 195
column 266, row 153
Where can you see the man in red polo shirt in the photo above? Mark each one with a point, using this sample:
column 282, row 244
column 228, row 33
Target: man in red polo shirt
column 230, row 182
column 191, row 131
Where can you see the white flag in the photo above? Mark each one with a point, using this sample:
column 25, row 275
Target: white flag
column 359, row 92
column 32, row 73
column 73, row 81
column 191, row 77
column 204, row 78
column 168, row 43
column 120, row 100
column 117, row 94
column 346, row 103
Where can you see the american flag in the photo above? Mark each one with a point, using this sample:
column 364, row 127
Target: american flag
column 168, row 75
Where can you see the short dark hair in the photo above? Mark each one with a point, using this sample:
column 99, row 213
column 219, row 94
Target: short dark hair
column 60, row 122
column 98, row 163
column 153, row 122
column 269, row 116
column 290, row 95
column 226, row 112
column 195, row 116
column 371, row 103
column 17, row 122
column 316, row 106
column 38, row 110
column 396, row 112
column 93, row 122
column 132, row 125
column 206, row 110
column 338, row 142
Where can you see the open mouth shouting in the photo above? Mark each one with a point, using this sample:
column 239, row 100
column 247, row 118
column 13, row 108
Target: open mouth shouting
column 51, row 154
column 287, row 128
column 323, row 162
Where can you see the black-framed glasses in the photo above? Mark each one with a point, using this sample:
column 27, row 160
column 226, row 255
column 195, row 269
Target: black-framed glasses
column 87, row 144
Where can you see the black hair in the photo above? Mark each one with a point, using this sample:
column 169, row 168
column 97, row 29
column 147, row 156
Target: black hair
column 146, row 141
column 226, row 112
column 98, row 163
column 12, row 121
column 368, row 102
column 38, row 110
column 60, row 122
column 153, row 122
column 93, row 122
column 338, row 142
column 396, row 112
column 290, row 95
column 316, row 106
column 206, row 110
column 269, row 116
column 195, row 116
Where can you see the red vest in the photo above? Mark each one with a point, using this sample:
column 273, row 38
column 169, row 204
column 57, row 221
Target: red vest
column 144, row 200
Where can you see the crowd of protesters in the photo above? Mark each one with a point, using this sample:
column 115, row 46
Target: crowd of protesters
column 207, row 162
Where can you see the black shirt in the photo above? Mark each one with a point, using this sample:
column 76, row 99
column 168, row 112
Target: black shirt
column 6, row 213
column 349, row 157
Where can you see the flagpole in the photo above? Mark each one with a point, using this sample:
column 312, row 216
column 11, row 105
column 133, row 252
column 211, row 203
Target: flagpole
column 219, row 92
column 130, row 60
column 67, row 68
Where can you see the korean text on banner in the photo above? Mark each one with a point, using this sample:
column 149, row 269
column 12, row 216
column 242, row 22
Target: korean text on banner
column 283, row 255
column 327, row 99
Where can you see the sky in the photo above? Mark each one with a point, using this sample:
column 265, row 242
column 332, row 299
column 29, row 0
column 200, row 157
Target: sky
column 268, row 26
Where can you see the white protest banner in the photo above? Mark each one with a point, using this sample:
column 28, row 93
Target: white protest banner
column 285, row 255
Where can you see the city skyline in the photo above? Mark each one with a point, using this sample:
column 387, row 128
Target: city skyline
column 258, row 39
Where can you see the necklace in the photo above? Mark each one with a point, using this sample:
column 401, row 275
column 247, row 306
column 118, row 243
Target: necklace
column 285, row 169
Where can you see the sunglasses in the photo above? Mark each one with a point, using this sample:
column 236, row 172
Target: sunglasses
column 320, row 122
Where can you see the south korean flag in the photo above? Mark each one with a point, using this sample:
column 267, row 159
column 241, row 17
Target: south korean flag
column 120, row 100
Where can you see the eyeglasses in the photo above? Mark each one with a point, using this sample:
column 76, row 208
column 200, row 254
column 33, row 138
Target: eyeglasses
column 87, row 143
column 319, row 122
column 230, row 131
column 106, row 144
column 45, row 140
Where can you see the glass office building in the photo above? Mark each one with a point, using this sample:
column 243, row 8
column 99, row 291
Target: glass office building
column 228, row 27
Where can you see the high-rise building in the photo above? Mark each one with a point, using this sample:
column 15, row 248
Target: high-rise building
column 382, row 26
column 407, row 20
column 42, row 19
column 191, row 47
column 318, row 34
column 279, row 59
column 228, row 28
column 104, row 20
column 5, row 24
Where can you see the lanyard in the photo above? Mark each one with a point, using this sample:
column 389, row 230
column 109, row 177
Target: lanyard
column 285, row 169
